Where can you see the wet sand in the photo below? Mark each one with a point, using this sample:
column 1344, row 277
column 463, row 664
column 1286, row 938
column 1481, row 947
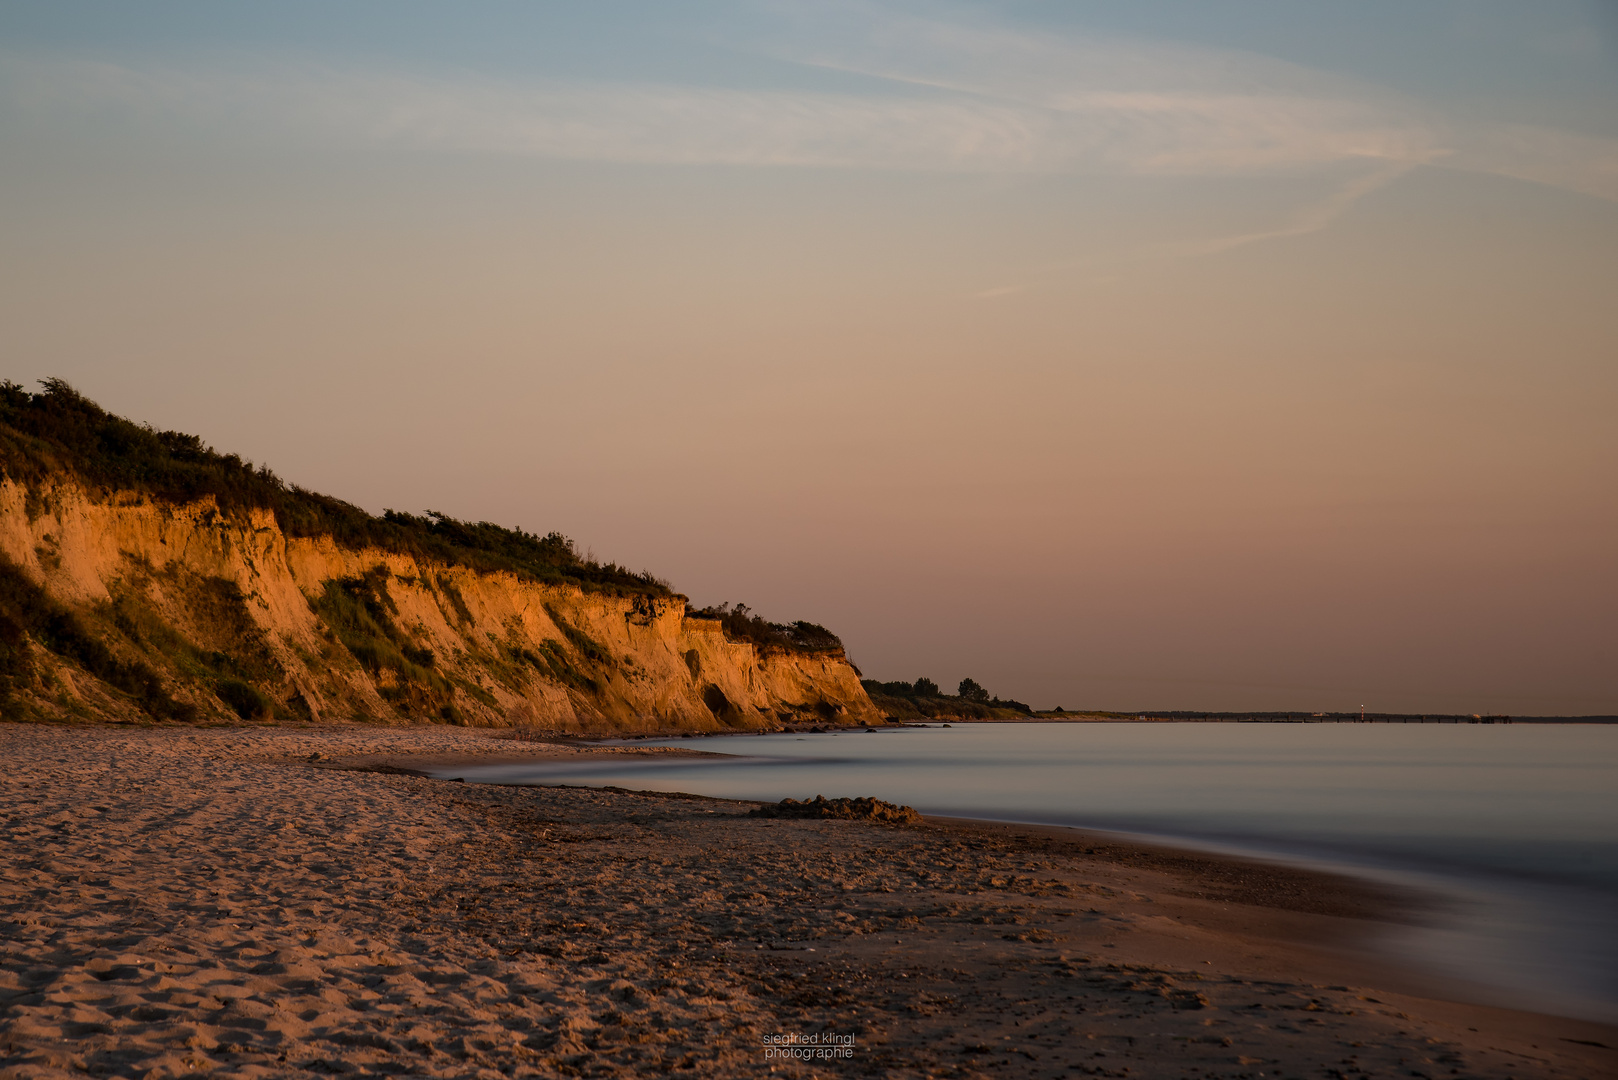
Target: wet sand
column 293, row 902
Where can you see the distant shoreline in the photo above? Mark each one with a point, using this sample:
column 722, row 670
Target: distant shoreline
column 589, row 737
column 1271, row 718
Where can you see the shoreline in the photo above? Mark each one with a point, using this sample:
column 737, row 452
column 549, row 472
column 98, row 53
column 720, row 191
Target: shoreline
column 897, row 724
column 218, row 900
column 1415, row 901
column 1149, row 718
column 1495, row 936
column 1426, row 956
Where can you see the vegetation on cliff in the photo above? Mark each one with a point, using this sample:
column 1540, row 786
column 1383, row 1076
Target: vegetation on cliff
column 145, row 576
column 59, row 431
column 26, row 611
column 742, row 625
column 923, row 699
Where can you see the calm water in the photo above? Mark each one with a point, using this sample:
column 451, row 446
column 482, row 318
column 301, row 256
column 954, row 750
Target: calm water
column 1517, row 825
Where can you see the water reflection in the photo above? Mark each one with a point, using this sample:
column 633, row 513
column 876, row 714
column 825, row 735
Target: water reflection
column 1520, row 819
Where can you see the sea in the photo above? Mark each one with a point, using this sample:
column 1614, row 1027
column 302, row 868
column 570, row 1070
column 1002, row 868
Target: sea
column 1510, row 829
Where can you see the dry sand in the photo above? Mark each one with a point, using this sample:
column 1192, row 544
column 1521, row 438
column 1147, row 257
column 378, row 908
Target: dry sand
column 225, row 903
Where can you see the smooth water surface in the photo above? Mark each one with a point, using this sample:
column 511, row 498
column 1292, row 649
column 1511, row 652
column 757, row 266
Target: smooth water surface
column 1517, row 824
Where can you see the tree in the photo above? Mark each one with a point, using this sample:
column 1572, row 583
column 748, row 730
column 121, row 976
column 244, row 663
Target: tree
column 969, row 690
column 926, row 688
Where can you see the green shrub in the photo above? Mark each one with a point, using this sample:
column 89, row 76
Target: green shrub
column 16, row 659
column 921, row 688
column 740, row 624
column 61, row 431
column 586, row 646
column 969, row 690
column 553, row 661
column 359, row 611
column 27, row 607
column 922, row 697
column 456, row 600
column 477, row 692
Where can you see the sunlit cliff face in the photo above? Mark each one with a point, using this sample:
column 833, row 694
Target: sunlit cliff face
column 1156, row 358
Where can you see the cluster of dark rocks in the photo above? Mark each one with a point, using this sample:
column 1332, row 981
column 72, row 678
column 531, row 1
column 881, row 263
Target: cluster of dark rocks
column 843, row 809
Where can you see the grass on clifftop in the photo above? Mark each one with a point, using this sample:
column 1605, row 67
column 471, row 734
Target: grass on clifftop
column 59, row 431
column 741, row 624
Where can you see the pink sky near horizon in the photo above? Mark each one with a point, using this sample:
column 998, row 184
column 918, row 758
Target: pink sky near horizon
column 1307, row 438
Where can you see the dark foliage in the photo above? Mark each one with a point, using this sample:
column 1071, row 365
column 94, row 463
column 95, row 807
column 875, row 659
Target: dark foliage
column 552, row 660
column 922, row 698
column 16, row 659
column 230, row 676
column 891, row 689
column 26, row 609
column 921, row 688
column 360, row 612
column 588, row 647
column 248, row 702
column 59, row 430
column 742, row 625
column 969, row 690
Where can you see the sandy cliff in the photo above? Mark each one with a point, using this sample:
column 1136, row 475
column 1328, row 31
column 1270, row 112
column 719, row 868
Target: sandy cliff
column 234, row 616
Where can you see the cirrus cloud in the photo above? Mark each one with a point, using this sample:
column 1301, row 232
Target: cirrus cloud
column 938, row 95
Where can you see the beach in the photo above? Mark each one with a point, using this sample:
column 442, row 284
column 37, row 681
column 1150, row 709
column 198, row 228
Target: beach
column 287, row 901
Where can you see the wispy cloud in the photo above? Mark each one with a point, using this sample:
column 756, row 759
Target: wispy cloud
column 1153, row 107
column 1129, row 131
column 943, row 95
column 1125, row 103
column 657, row 124
column 931, row 130
column 1310, row 218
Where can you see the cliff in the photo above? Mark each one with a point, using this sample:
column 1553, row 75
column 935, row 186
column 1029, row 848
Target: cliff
column 121, row 601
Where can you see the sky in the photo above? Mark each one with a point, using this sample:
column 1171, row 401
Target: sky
column 1176, row 355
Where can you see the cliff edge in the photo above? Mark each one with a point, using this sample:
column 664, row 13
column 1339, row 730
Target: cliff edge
column 145, row 577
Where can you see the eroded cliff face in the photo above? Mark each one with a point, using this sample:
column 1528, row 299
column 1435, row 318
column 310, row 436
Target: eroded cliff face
column 236, row 618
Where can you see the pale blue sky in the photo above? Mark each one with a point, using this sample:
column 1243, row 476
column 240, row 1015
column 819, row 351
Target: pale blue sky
column 1114, row 354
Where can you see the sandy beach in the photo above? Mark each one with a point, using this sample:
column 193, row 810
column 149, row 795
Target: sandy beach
column 293, row 901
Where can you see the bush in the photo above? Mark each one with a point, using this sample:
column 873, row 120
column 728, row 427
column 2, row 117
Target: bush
column 921, row 688
column 588, row 647
column 360, row 612
column 922, row 698
column 61, row 431
column 16, row 661
column 740, row 624
column 969, row 690
column 25, row 606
